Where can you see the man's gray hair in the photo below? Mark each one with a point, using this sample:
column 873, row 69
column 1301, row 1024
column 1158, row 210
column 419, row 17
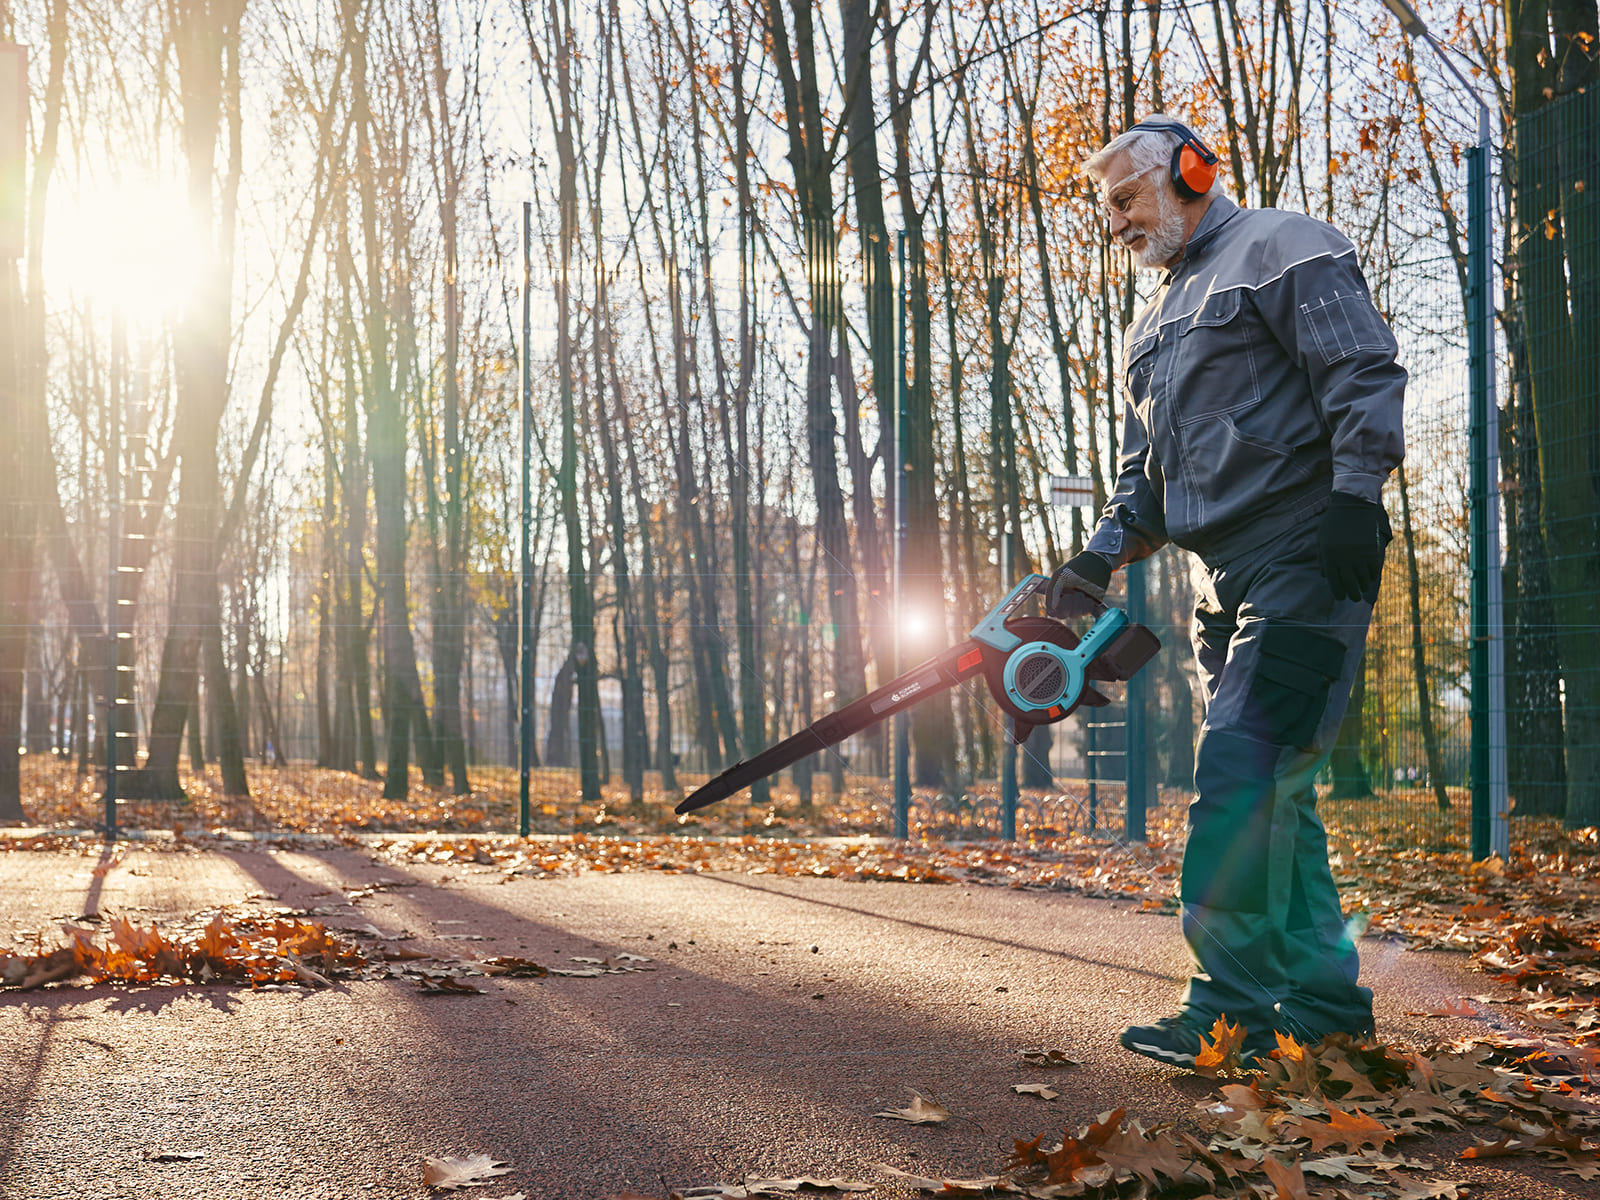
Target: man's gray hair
column 1146, row 149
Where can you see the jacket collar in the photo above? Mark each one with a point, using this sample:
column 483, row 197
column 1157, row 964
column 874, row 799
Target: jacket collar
column 1221, row 211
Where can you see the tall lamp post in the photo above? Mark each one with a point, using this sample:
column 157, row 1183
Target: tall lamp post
column 1490, row 832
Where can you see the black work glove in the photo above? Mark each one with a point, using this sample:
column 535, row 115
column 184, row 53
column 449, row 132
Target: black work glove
column 1350, row 546
column 1082, row 575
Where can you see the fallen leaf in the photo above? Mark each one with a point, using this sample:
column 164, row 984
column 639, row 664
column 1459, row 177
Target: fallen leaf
column 447, row 1174
column 447, row 985
column 1350, row 1130
column 1221, row 1054
column 1042, row 1090
column 1144, row 1154
column 945, row 1187
column 515, row 968
column 1429, row 1189
column 1340, row 1166
column 1048, row 1058
column 769, row 1187
column 172, row 1155
column 1288, row 1179
column 1025, row 1154
column 920, row 1111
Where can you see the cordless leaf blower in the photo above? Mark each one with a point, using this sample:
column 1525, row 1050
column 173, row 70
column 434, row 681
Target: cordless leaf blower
column 1037, row 669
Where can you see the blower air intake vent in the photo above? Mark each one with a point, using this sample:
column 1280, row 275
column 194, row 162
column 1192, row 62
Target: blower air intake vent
column 1040, row 679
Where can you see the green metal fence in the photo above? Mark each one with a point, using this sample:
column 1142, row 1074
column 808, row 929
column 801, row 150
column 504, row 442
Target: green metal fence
column 1406, row 754
column 1550, row 447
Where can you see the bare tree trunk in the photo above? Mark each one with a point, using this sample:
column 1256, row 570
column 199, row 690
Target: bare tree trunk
column 932, row 722
column 555, row 70
column 733, row 394
column 326, row 607
column 16, row 549
column 1419, row 660
column 558, row 722
column 979, row 737
column 207, row 52
column 1536, row 759
column 28, row 458
column 656, row 606
column 1569, row 419
column 810, row 160
column 230, row 740
column 625, row 631
column 866, row 176
column 449, row 626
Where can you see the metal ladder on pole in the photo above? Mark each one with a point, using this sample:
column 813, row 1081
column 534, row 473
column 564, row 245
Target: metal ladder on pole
column 1092, row 756
column 130, row 477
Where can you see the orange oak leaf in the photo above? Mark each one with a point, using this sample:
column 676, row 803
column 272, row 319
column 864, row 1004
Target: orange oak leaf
column 1025, row 1154
column 1068, row 1159
column 1222, row 1052
column 1502, row 1149
column 1288, row 1178
column 1349, row 1130
column 1145, row 1154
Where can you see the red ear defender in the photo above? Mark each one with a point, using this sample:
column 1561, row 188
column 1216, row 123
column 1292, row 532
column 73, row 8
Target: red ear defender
column 1192, row 175
column 1194, row 164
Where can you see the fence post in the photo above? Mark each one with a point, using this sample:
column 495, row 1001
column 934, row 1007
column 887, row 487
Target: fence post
column 1135, row 769
column 525, row 556
column 1490, row 834
column 1008, row 753
column 897, row 489
column 114, row 632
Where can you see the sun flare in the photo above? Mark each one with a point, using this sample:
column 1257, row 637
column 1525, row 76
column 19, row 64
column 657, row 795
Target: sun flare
column 134, row 248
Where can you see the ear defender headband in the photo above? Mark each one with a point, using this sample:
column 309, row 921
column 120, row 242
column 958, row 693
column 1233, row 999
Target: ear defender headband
column 1194, row 165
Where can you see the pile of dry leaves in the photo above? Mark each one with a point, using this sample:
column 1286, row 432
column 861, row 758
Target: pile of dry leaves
column 276, row 951
column 305, row 799
column 1077, row 862
column 1318, row 1123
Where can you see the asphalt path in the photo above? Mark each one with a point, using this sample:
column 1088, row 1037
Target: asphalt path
column 777, row 1016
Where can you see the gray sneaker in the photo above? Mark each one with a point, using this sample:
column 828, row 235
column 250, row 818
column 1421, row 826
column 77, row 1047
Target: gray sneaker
column 1176, row 1040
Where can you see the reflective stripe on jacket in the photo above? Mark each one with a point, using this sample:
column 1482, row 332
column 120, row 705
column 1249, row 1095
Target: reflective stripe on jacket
column 1258, row 379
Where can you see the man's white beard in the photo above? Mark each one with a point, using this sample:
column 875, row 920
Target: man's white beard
column 1163, row 242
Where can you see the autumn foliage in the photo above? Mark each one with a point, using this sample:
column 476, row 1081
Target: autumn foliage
column 279, row 951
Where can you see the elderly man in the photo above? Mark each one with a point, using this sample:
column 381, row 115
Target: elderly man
column 1262, row 416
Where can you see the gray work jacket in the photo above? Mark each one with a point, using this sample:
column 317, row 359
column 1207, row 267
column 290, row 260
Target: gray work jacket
column 1258, row 379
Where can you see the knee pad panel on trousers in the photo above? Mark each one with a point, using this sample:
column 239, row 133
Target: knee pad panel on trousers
column 1230, row 823
column 1295, row 670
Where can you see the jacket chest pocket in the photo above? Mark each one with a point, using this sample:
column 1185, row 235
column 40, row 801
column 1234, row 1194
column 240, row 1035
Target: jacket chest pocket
column 1139, row 369
column 1215, row 368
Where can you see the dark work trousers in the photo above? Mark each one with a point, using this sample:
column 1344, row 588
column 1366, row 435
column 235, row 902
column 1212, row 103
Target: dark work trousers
column 1277, row 655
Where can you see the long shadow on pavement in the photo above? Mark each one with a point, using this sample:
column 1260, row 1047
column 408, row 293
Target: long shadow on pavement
column 1166, row 977
column 741, row 1098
